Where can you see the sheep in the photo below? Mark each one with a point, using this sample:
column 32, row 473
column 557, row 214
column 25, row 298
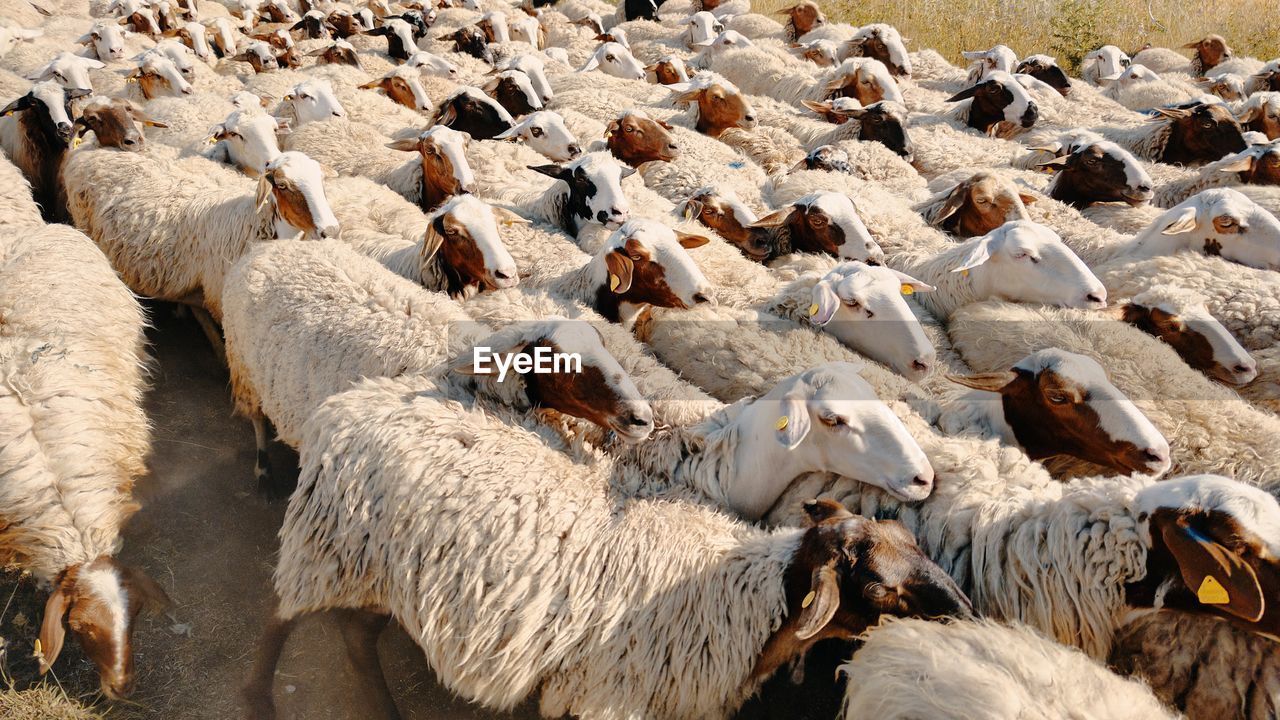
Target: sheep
column 71, row 71
column 469, row 110
column 823, row 53
column 1208, row 427
column 1179, row 318
column 11, row 35
column 1045, row 68
column 1000, row 57
column 246, row 139
column 514, row 91
column 1265, row 79
column 173, row 227
column 882, row 42
column 76, row 438
column 975, row 206
column 1192, row 135
column 1241, row 231
column 715, row 104
column 158, row 76
column 1099, row 171
column 884, row 122
column 1261, row 113
column 17, row 208
column 545, row 132
column 802, row 18
column 36, row 140
column 1102, row 66
column 114, row 123
column 106, row 39
column 1257, row 164
column 911, row 669
column 587, row 190
column 866, row 79
column 613, row 59
column 574, row 680
column 998, row 98
column 1140, row 88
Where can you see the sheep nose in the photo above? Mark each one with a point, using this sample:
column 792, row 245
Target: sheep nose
column 637, row 419
column 1144, row 188
column 1156, row 457
column 129, row 142
column 574, row 151
column 701, row 299
column 188, row 90
column 64, row 130
column 921, row 481
column 920, row 365
column 1029, row 117
column 1096, row 298
column 1242, row 368
column 328, row 233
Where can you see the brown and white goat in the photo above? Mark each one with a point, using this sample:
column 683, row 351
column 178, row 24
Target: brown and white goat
column 635, row 138
column 718, row 106
column 35, row 130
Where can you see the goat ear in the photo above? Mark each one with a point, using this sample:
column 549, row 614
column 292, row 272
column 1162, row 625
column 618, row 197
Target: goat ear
column 371, row 85
column 264, row 191
column 821, row 108
column 793, row 423
column 153, row 596
column 404, row 144
column 1174, row 113
column 21, row 103
column 1215, row 572
column 592, row 64
column 1243, row 163
column 52, row 631
column 620, row 269
column 966, row 93
column 825, row 304
column 775, row 219
column 913, row 283
column 977, row 255
column 953, row 202
column 1057, row 162
column 1184, row 221
column 550, row 170
column 1026, row 198
column 990, row 382
column 665, row 125
column 689, row 241
column 820, row 605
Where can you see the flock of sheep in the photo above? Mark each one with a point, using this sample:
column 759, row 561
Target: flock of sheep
column 976, row 366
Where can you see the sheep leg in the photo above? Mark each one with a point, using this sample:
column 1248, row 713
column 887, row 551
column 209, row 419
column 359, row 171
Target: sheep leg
column 211, row 332
column 360, row 630
column 267, row 484
column 256, row 694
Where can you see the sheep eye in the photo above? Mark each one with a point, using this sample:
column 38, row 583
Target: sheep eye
column 1058, row 399
column 831, row 420
column 1225, row 221
column 536, row 132
column 852, row 304
column 635, row 257
column 451, row 232
column 608, row 58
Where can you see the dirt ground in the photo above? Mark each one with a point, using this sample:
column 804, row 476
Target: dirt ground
column 210, row 540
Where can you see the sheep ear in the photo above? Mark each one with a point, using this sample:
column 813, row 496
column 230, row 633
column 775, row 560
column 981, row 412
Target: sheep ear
column 447, row 115
column 1057, row 162
column 93, row 64
column 1243, row 163
column 1191, row 45
column 154, row 597
column 52, row 631
column 819, row 107
column 85, row 39
column 913, row 283
column 627, row 171
column 966, row 93
column 775, row 219
column 822, row 510
column 689, row 209
column 1175, row 113
column 1250, row 114
column 802, row 165
column 822, row 602
column 505, row 216
column 990, row 382
column 592, row 64
column 825, row 304
column 264, row 191
column 977, row 255
column 1185, row 221
column 953, row 202
column 21, row 103
column 1216, row 573
column 687, row 95
column 550, row 170
column 371, row 85
column 1026, row 198
column 689, row 241
column 620, row 271
column 793, row 423
column 404, row 144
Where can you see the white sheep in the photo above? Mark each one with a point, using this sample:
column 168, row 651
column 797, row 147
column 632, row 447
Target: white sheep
column 907, row 669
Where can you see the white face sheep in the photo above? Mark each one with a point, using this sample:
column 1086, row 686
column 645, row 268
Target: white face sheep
column 69, row 70
column 1055, row 402
column 613, row 59
column 465, row 234
column 1023, row 261
column 1261, row 114
column 854, row 301
column 821, row 222
column 224, row 36
column 533, row 66
column 1000, row 57
column 313, row 100
column 823, row 53
column 1104, row 65
column 180, row 55
column 295, row 184
column 526, row 28
column 260, row 56
column 158, row 76
column 701, row 29
column 106, row 39
column 494, row 25
column 999, row 98
column 1228, row 86
column 445, row 170
column 1099, row 171
column 545, row 132
column 249, row 137
column 593, row 192
column 11, row 36
column 646, row 263
column 1220, row 221
column 1181, row 319
column 432, row 64
column 403, row 85
column 883, row 43
column 196, row 38
column 514, row 91
column 867, row 80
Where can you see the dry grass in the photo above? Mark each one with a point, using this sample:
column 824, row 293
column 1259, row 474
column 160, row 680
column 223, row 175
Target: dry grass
column 42, row 703
column 1065, row 28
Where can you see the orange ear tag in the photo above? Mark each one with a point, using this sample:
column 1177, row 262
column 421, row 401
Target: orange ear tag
column 1211, row 592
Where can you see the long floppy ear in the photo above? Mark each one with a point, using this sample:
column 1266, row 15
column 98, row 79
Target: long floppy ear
column 154, row 597
column 977, row 255
column 21, row 103
column 371, row 85
column 1250, row 114
column 1217, row 575
column 504, row 216
column 592, row 63
column 86, row 39
column 822, row 108
column 1058, row 162
column 1244, row 163
column 1184, row 221
column 687, row 95
column 802, row 165
column 92, row 64
column 1026, row 198
column 626, row 172
column 551, row 170
column 620, row 269
column 44, row 73
column 793, row 422
column 912, row 283
column 409, row 144
column 953, row 202
column 140, row 116
column 52, row 631
column 966, row 93
column 1191, row 45
column 689, row 209
column 990, row 382
column 820, row 605
column 825, row 304
column 432, row 241
column 775, row 219
column 264, row 191
column 1175, row 113
column 689, row 241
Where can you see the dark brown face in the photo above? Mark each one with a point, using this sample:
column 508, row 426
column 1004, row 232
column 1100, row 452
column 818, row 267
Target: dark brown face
column 641, row 281
column 1051, row 75
column 1091, row 175
column 471, row 41
column 977, row 206
column 439, row 180
column 589, row 395
column 113, row 125
column 719, row 110
column 1265, row 170
column 335, row 55
column 473, row 116
column 637, row 139
column 460, row 257
column 875, row 47
column 847, row 573
column 1191, row 346
column 715, row 213
column 511, row 96
column 1211, row 51
column 291, row 204
column 990, row 99
column 1052, row 415
column 1265, row 123
column 666, row 73
column 276, row 13
column 343, row 25
column 882, row 126
column 1209, row 563
column 805, row 17
column 311, row 27
column 1203, row 134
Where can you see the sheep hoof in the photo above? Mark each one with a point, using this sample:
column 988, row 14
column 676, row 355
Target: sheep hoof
column 268, row 484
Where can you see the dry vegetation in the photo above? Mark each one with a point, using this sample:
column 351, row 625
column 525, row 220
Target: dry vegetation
column 1065, row 28
column 42, row 703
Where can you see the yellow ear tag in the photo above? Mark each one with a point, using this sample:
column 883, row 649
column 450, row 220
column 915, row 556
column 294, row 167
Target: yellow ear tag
column 76, row 143
column 808, row 599
column 1211, row 592
column 782, row 423
column 907, row 289
column 813, row 309
column 965, row 272
column 38, row 650
column 614, row 280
